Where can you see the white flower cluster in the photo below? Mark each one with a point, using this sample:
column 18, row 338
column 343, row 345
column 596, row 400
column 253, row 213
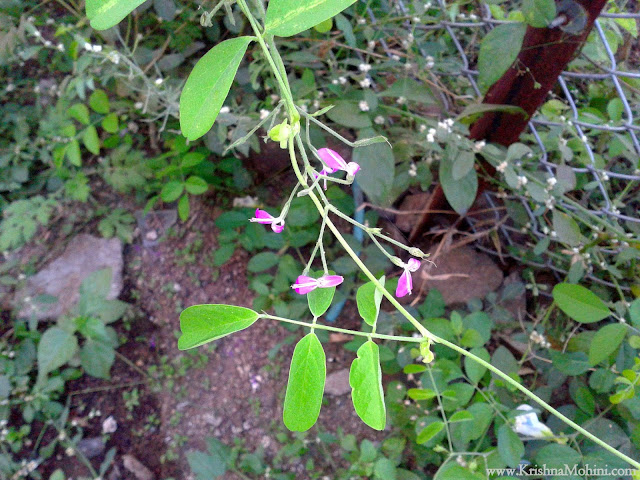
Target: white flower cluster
column 430, row 62
column 539, row 339
column 431, row 135
column 446, row 124
column 364, row 67
column 366, row 83
column 92, row 48
column 522, row 181
column 413, row 170
column 363, row 106
column 379, row 120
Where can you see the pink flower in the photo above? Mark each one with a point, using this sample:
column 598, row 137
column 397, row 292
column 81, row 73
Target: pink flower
column 405, row 284
column 265, row 218
column 305, row 284
column 335, row 162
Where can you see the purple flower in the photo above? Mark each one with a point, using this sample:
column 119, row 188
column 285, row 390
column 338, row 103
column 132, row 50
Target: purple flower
column 405, row 284
column 305, row 284
column 266, row 218
column 335, row 162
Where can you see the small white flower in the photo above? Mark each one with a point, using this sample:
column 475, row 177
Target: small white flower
column 371, row 45
column 225, row 109
column 473, row 17
column 522, row 181
column 47, row 43
column 479, row 145
column 395, row 57
column 502, row 167
column 36, row 89
column 605, row 177
column 545, row 230
column 366, row 83
column 334, row 81
column 138, row 105
column 113, row 57
column 527, row 424
column 10, row 88
column 379, row 120
column 37, row 34
column 584, row 139
column 415, row 19
column 158, row 81
column 316, row 104
column 551, row 181
column 401, row 101
column 264, row 113
column 362, row 21
column 413, row 170
column 554, row 234
column 342, row 80
column 363, row 105
column 408, row 66
column 422, row 128
column 364, row 67
column 60, row 47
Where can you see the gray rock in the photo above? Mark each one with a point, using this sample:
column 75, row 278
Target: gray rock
column 84, row 255
column 460, row 275
column 338, row 383
column 91, row 447
column 136, row 467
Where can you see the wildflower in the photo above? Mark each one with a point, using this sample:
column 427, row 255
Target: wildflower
column 224, row 109
column 431, row 135
column 362, row 21
column 265, row 218
column 379, row 120
column 522, row 181
column 479, row 145
column 473, row 17
column 401, row 100
column 413, row 170
column 334, row 162
column 264, row 113
column 371, row 45
column 364, row 67
column 605, row 177
column 366, row 83
column 502, row 167
column 334, row 81
column 112, row 56
column 395, row 57
column 363, row 105
column 305, row 284
column 405, row 284
column 551, row 181
column 342, row 80
column 10, row 88
column 527, row 424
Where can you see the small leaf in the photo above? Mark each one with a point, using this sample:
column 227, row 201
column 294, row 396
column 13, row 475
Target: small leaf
column 290, row 17
column 498, row 50
column 56, row 348
column 606, row 341
column 79, row 112
column 510, row 446
column 365, row 379
column 171, row 191
column 192, row 159
column 201, row 324
column 368, row 299
column 430, row 431
column 110, row 123
column 208, row 85
column 105, row 14
column 474, row 110
column 184, row 208
column 462, row 164
column 474, row 370
column 196, row 185
column 579, row 303
column 320, row 300
column 460, row 416
column 99, row 102
column 539, row 13
column 560, row 457
column 91, row 140
column 567, row 229
column 73, row 153
column 306, row 385
column 459, row 193
column 97, row 358
column 263, row 261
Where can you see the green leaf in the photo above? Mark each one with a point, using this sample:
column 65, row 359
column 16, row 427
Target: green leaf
column 73, row 153
column 510, row 446
column 567, row 229
column 262, row 261
column 384, row 469
column 377, row 169
column 462, row 165
column 196, row 185
column 539, row 13
column 579, row 303
column 171, row 191
column 554, row 456
column 79, row 112
column 368, row 299
column 365, row 378
column 348, row 114
column 459, row 193
column 476, row 109
column 56, row 348
column 571, row 363
column 208, row 85
column 498, row 50
column 634, row 312
column 606, row 341
column 290, row 17
column 184, row 208
column 110, row 123
column 306, row 385
column 421, row 393
column 324, row 27
column 91, row 140
column 97, row 358
column 461, row 416
column 474, row 370
column 201, row 324
column 99, row 102
column 430, row 431
column 105, row 14
column 192, row 159
column 320, row 300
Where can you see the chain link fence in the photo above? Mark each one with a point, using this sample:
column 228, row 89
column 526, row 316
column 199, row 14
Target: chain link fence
column 466, row 31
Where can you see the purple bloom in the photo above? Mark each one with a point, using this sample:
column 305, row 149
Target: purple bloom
column 405, row 284
column 334, row 162
column 266, row 218
column 305, row 284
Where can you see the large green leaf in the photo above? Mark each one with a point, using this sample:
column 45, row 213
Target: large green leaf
column 580, row 303
column 208, row 85
column 306, row 384
column 201, row 324
column 105, row 14
column 56, row 347
column 606, row 341
column 289, row 17
column 365, row 379
column 510, row 446
column 368, row 299
column 498, row 50
column 460, row 193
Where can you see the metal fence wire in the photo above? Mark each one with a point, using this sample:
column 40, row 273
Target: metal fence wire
column 465, row 32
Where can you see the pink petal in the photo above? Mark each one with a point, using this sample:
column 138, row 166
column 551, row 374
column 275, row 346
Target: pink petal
column 277, row 227
column 332, row 159
column 304, row 284
column 330, row 281
column 413, row 264
column 352, row 168
column 405, row 284
column 262, row 217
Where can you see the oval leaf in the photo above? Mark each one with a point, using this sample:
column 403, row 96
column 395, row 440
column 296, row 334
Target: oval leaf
column 105, row 14
column 289, row 17
column 459, row 193
column 539, row 13
column 208, row 85
column 606, row 341
column 368, row 300
column 307, row 374
column 201, row 324
column 56, row 348
column 430, row 431
column 498, row 50
column 365, row 378
column 510, row 446
column 580, row 303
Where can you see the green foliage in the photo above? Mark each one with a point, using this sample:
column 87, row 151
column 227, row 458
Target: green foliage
column 21, row 220
column 289, row 17
column 539, row 13
column 201, row 324
column 368, row 299
column 106, row 14
column 498, row 50
column 365, row 378
column 579, row 303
